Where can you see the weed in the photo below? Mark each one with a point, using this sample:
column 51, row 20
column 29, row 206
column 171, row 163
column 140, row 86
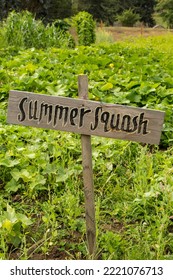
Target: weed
column 103, row 36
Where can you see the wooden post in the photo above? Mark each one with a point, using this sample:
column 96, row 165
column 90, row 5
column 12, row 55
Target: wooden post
column 88, row 175
column 142, row 29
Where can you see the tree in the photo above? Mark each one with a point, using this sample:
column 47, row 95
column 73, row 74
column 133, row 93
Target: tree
column 6, row 6
column 108, row 10
column 128, row 18
column 2, row 9
column 145, row 8
column 165, row 8
column 58, row 9
column 48, row 10
column 101, row 10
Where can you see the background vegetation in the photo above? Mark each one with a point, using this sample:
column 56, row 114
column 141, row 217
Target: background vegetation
column 21, row 30
column 102, row 10
column 41, row 188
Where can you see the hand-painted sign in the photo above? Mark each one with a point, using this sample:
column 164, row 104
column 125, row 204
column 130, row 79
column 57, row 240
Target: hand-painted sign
column 85, row 117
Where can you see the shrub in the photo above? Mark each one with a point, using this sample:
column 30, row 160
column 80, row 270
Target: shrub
column 56, row 34
column 85, row 27
column 128, row 18
column 22, row 30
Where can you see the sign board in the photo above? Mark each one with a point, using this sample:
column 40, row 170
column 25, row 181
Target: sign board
column 85, row 117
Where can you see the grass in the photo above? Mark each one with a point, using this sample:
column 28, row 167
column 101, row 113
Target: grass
column 103, row 36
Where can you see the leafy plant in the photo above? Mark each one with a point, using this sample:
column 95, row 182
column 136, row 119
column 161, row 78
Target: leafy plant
column 22, row 30
column 12, row 225
column 165, row 9
column 128, row 18
column 85, row 27
column 112, row 245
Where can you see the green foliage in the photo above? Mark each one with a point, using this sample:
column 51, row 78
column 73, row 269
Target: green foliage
column 128, row 18
column 47, row 10
column 101, row 10
column 41, row 187
column 118, row 73
column 55, row 9
column 145, row 9
column 22, row 30
column 85, row 27
column 12, row 226
column 105, row 11
column 103, row 36
column 165, row 8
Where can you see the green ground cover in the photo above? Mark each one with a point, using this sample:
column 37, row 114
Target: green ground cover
column 41, row 189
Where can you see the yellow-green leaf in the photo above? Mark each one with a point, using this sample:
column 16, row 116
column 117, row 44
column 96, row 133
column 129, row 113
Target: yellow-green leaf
column 107, row 86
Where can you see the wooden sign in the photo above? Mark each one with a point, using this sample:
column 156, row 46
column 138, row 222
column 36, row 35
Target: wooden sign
column 85, row 117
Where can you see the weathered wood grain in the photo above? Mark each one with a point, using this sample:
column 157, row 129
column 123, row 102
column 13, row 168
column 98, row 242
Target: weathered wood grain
column 85, row 117
column 88, row 176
